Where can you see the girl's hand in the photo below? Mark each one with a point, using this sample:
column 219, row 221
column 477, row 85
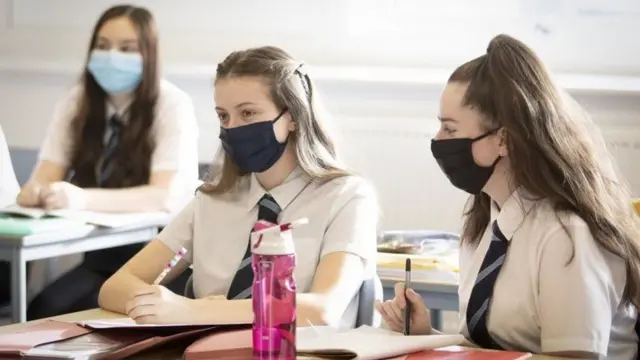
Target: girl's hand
column 29, row 195
column 155, row 304
column 392, row 311
column 63, row 195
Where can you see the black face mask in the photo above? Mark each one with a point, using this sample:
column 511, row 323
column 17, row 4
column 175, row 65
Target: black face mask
column 254, row 147
column 455, row 157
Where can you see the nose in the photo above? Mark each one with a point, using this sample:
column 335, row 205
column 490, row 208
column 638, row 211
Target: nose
column 439, row 135
column 233, row 122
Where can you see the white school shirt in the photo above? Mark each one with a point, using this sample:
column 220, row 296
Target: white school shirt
column 9, row 187
column 342, row 214
column 542, row 304
column 175, row 131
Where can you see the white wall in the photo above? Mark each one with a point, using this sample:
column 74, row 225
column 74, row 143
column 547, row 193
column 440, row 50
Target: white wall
column 386, row 116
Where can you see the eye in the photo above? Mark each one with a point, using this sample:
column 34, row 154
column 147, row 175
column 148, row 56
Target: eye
column 223, row 117
column 247, row 113
column 449, row 131
column 129, row 48
column 102, row 46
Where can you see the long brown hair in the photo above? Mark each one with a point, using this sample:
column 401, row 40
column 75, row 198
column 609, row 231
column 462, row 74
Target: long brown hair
column 552, row 154
column 133, row 155
column 290, row 88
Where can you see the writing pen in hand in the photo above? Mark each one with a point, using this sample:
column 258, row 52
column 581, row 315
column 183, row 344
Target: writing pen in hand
column 407, row 285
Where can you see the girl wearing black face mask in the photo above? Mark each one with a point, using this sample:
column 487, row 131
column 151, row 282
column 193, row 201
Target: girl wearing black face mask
column 276, row 163
column 550, row 254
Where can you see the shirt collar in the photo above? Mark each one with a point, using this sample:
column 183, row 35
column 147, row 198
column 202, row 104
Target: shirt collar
column 513, row 212
column 283, row 194
column 121, row 113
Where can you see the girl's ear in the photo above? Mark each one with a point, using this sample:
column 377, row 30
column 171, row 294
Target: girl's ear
column 503, row 149
column 292, row 125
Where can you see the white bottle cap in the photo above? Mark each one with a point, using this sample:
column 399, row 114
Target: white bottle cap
column 275, row 240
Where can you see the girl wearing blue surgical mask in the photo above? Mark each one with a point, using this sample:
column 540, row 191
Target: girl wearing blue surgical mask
column 277, row 163
column 123, row 140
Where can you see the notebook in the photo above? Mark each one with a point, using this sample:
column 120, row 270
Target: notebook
column 111, row 220
column 457, row 353
column 21, row 226
column 364, row 343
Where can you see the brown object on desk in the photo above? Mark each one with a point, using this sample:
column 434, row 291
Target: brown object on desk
column 127, row 341
column 31, row 335
column 398, row 247
column 232, row 345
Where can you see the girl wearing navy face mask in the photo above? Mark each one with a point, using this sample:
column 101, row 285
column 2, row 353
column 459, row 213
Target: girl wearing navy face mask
column 277, row 163
column 123, row 140
column 550, row 252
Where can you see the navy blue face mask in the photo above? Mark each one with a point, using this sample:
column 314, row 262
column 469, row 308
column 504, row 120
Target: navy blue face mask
column 254, row 147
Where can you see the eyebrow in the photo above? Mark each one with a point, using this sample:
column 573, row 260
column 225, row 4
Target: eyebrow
column 447, row 119
column 102, row 38
column 237, row 106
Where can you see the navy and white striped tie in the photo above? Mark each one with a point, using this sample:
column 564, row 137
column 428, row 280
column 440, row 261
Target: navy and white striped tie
column 480, row 299
column 241, row 285
column 107, row 161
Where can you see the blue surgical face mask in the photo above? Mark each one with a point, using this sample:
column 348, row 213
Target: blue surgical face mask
column 254, row 147
column 116, row 72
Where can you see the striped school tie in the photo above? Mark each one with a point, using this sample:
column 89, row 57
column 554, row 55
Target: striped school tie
column 480, row 299
column 242, row 282
column 107, row 162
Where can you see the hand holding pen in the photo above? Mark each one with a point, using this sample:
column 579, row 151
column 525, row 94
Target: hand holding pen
column 406, row 301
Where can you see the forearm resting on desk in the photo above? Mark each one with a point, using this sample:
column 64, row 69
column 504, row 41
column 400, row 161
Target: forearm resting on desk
column 118, row 290
column 310, row 310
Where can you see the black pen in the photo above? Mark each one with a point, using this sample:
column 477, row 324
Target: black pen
column 407, row 309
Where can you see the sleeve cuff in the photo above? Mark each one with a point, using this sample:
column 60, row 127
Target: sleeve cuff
column 574, row 344
column 166, row 238
column 165, row 166
column 355, row 249
column 59, row 160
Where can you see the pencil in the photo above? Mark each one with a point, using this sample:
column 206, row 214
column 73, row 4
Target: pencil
column 407, row 285
column 174, row 261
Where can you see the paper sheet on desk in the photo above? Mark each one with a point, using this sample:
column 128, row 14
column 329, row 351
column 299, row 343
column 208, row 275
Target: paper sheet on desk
column 112, row 220
column 367, row 343
column 128, row 323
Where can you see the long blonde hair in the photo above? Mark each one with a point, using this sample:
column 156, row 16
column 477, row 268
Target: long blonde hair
column 290, row 88
column 552, row 153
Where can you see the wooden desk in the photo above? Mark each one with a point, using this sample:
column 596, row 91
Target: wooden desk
column 18, row 250
column 166, row 354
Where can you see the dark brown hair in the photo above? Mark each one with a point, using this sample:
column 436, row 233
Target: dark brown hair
column 133, row 155
column 552, row 154
column 291, row 88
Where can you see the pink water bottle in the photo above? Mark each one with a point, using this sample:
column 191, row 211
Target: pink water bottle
column 274, row 291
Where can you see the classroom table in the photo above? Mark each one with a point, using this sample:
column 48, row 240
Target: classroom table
column 166, row 354
column 18, row 250
column 437, row 297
